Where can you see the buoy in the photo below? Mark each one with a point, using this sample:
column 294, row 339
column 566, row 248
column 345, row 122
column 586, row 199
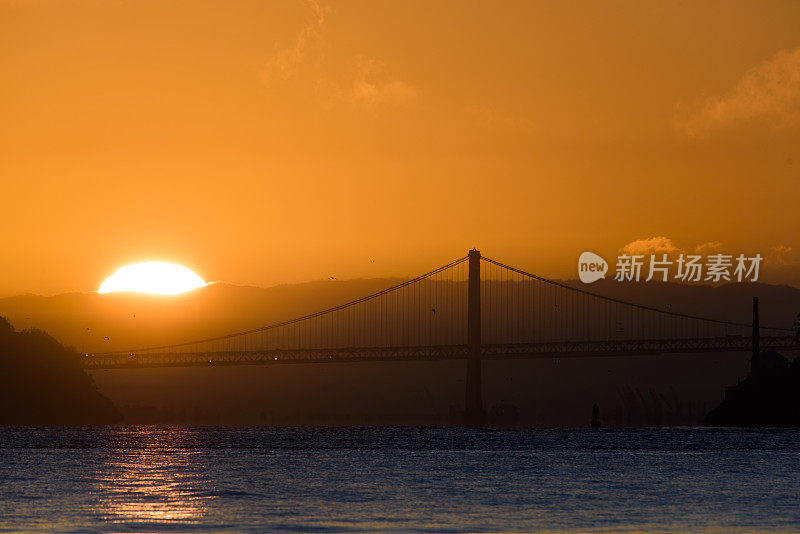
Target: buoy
column 595, row 416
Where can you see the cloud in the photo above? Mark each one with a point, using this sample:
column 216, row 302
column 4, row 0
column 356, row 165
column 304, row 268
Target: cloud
column 284, row 62
column 651, row 245
column 770, row 91
column 781, row 266
column 712, row 247
column 781, row 255
column 369, row 83
column 374, row 86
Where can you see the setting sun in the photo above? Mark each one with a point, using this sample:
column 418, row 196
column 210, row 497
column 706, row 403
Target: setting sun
column 152, row 277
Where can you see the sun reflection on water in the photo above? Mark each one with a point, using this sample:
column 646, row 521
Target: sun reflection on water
column 158, row 486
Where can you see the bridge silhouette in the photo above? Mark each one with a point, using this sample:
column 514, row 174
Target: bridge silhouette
column 475, row 309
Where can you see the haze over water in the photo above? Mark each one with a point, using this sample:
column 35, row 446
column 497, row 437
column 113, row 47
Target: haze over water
column 319, row 479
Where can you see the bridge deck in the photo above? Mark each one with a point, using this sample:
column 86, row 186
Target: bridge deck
column 566, row 349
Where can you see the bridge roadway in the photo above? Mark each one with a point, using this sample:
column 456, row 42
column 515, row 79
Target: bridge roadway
column 563, row 349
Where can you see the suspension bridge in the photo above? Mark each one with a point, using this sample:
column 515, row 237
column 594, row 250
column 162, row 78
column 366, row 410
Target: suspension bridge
column 474, row 309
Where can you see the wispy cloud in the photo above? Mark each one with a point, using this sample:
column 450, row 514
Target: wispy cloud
column 781, row 255
column 367, row 82
column 782, row 266
column 711, row 247
column 284, row 62
column 374, row 86
column 770, row 91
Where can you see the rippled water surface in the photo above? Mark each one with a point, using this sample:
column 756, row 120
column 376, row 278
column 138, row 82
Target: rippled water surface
column 397, row 479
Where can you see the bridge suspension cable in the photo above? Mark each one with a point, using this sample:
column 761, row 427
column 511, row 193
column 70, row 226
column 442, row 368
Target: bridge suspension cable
column 627, row 303
column 449, row 301
column 426, row 317
column 522, row 307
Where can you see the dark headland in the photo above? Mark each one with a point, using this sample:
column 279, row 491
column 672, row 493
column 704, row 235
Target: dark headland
column 769, row 397
column 43, row 383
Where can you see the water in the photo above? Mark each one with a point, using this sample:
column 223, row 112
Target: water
column 215, row 479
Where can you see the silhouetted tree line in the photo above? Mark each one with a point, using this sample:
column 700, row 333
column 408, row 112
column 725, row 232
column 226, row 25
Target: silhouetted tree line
column 43, row 383
column 655, row 409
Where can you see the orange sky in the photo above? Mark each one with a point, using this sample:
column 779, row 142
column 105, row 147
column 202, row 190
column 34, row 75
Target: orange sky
column 267, row 142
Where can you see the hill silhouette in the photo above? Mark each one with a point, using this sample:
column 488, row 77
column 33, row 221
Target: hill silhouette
column 42, row 382
column 768, row 397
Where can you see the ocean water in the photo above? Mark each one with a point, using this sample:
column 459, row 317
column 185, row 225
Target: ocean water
column 400, row 479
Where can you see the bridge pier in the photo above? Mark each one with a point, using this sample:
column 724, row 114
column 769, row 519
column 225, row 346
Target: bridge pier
column 474, row 414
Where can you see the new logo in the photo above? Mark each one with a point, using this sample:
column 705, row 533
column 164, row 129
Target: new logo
column 591, row 267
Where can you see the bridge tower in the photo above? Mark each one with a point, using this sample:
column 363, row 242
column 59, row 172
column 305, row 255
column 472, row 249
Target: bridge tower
column 473, row 402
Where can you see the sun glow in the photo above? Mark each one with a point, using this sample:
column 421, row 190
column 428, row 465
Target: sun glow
column 152, row 277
